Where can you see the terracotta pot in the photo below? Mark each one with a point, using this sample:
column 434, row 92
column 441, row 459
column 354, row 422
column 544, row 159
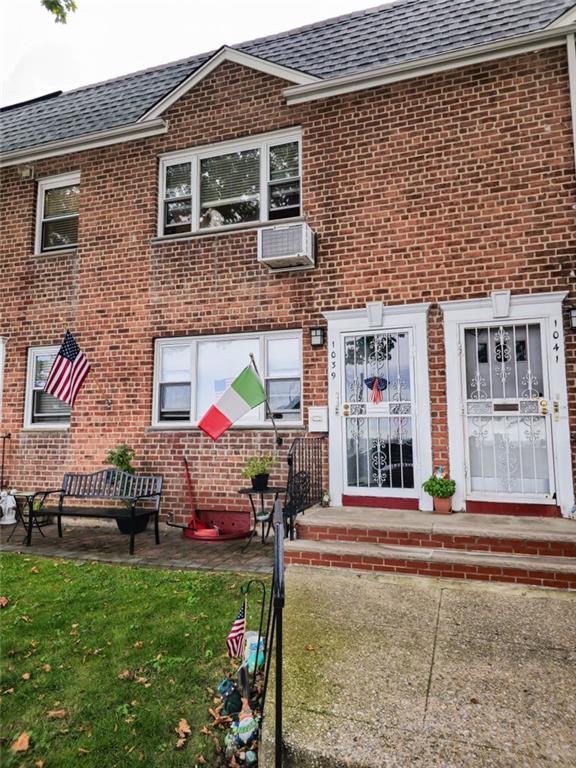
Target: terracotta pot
column 442, row 506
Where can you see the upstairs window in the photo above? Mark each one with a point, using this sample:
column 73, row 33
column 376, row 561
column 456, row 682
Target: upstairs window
column 227, row 185
column 192, row 373
column 57, row 214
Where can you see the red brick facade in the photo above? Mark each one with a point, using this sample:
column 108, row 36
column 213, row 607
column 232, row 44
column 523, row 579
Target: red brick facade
column 444, row 187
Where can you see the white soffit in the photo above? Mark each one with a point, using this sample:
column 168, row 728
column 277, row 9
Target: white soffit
column 238, row 57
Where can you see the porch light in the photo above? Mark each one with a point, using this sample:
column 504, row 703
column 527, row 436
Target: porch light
column 573, row 318
column 317, row 337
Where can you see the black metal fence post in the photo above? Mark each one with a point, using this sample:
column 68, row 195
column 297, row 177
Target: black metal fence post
column 278, row 611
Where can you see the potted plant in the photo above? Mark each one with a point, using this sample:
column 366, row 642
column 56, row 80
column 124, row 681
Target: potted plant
column 257, row 468
column 441, row 488
column 121, row 458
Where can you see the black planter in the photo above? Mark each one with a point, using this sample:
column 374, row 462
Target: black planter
column 125, row 524
column 260, row 482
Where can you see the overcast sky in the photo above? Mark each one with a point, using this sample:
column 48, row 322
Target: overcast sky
column 105, row 38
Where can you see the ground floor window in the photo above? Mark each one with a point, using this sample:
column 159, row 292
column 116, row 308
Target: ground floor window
column 41, row 409
column 192, row 373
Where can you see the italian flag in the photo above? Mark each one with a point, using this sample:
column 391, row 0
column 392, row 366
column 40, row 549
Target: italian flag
column 245, row 393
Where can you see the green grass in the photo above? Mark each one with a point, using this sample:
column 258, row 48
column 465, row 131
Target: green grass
column 90, row 622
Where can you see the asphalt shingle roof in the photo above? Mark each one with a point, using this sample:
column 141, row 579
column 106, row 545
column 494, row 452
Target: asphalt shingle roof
column 403, row 31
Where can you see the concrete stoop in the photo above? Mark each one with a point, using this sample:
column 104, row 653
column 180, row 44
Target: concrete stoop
column 383, row 671
column 536, row 551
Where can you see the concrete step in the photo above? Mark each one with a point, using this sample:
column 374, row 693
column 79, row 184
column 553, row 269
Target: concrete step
column 538, row 570
column 548, row 537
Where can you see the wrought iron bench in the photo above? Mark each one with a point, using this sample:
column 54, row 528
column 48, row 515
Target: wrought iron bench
column 139, row 496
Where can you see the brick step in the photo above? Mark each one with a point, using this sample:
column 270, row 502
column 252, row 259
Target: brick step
column 557, row 572
column 523, row 536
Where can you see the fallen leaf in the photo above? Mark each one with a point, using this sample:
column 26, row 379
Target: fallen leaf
column 200, row 760
column 138, row 644
column 46, row 667
column 183, row 729
column 4, row 601
column 27, row 619
column 140, row 680
column 39, row 764
column 474, row 701
column 125, row 675
column 181, row 743
column 56, row 714
column 21, row 744
column 309, row 647
column 9, row 691
column 26, row 676
column 205, row 730
column 34, row 570
column 82, row 751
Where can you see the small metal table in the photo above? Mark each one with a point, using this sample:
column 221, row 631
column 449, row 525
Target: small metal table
column 263, row 516
column 24, row 501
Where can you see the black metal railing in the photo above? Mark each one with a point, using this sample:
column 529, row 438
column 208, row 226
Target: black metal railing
column 304, row 486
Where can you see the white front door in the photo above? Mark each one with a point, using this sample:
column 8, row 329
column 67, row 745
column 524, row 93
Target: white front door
column 508, row 401
column 508, row 413
column 379, row 421
column 378, row 408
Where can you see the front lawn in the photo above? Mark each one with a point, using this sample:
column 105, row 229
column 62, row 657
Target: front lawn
column 99, row 663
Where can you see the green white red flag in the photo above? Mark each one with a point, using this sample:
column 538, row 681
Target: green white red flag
column 245, row 393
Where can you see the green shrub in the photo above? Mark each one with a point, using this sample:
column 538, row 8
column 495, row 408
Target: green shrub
column 258, row 465
column 121, row 458
column 439, row 487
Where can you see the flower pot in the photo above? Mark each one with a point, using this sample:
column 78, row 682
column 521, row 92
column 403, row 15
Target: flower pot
column 442, row 506
column 260, row 482
column 125, row 524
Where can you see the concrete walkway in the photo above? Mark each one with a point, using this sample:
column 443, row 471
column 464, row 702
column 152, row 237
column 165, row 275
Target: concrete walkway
column 102, row 542
column 399, row 671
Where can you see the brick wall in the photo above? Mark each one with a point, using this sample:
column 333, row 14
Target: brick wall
column 445, row 187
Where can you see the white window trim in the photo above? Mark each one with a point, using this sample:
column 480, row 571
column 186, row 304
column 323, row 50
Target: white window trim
column 262, row 337
column 51, row 182
column 194, row 155
column 33, row 352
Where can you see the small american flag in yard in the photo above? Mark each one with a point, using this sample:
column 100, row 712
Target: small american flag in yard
column 236, row 637
column 68, row 371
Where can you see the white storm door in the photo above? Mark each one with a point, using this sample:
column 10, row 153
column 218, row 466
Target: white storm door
column 507, row 412
column 377, row 413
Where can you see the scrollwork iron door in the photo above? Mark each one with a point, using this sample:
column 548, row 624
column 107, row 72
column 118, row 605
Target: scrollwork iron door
column 378, row 412
column 508, row 431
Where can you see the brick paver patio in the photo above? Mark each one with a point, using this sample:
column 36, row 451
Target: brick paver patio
column 104, row 543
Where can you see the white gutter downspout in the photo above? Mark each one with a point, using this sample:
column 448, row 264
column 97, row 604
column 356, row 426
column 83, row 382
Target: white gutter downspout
column 571, row 48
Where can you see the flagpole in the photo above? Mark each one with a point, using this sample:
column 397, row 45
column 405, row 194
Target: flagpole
column 96, row 380
column 279, row 440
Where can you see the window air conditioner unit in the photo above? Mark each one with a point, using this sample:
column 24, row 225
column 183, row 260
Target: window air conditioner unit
column 287, row 247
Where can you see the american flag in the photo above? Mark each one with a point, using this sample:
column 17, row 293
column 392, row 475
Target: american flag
column 68, row 371
column 236, row 637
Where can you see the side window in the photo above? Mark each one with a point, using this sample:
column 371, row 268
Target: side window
column 43, row 410
column 57, row 213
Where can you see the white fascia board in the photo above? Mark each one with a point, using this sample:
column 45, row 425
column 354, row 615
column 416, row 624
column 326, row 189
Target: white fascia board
column 81, row 143
column 535, row 41
column 227, row 54
column 569, row 17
